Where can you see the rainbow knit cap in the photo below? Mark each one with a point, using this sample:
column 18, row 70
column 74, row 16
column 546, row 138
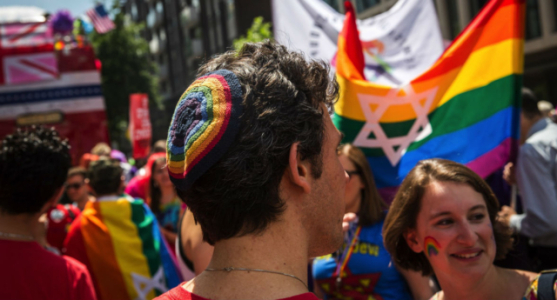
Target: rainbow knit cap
column 204, row 125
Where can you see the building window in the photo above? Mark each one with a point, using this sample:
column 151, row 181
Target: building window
column 476, row 6
column 454, row 23
column 232, row 32
column 151, row 17
column 333, row 4
column 554, row 16
column 362, row 5
column 134, row 12
column 217, row 19
column 533, row 29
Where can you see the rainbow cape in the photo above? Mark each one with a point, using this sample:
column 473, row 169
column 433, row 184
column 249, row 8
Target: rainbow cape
column 464, row 108
column 121, row 245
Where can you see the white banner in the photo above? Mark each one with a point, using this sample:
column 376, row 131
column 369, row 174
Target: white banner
column 398, row 44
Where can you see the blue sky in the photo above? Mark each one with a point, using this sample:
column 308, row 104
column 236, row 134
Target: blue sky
column 76, row 7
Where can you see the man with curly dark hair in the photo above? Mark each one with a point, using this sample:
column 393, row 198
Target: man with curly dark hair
column 252, row 151
column 33, row 168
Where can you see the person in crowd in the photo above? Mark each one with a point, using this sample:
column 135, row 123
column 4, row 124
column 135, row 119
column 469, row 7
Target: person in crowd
column 119, row 241
column 362, row 267
column 86, row 159
column 194, row 254
column 101, row 150
column 138, row 186
column 163, row 200
column 33, row 167
column 443, row 220
column 252, row 152
column 129, row 170
column 159, row 147
column 545, row 108
column 61, row 216
column 77, row 188
column 536, row 178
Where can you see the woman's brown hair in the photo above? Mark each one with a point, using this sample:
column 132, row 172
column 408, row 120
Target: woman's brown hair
column 372, row 206
column 406, row 206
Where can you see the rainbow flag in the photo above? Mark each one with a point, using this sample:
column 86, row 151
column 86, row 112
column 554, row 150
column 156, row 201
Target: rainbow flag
column 464, row 108
column 121, row 244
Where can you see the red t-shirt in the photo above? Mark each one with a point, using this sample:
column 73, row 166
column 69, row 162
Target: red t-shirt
column 60, row 218
column 29, row 272
column 178, row 293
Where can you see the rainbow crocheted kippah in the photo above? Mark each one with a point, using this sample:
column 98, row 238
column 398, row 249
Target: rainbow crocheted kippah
column 204, row 125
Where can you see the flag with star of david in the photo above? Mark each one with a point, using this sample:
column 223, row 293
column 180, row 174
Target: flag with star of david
column 464, row 108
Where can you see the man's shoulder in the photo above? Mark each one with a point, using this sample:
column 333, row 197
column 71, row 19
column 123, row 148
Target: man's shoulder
column 178, row 293
column 74, row 266
column 547, row 134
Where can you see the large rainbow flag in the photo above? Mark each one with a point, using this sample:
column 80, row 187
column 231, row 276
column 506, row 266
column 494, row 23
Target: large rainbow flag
column 121, row 245
column 464, row 108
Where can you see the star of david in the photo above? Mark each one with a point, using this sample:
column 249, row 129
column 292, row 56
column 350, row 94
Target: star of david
column 143, row 285
column 374, row 107
column 352, row 287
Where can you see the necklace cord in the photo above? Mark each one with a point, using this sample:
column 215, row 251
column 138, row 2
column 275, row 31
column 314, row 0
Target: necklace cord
column 17, row 236
column 229, row 269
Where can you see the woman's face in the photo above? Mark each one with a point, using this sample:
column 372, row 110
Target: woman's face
column 453, row 230
column 160, row 174
column 353, row 191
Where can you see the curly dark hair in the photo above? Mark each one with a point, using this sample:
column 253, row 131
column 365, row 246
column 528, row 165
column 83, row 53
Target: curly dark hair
column 34, row 163
column 283, row 98
column 404, row 210
column 105, row 176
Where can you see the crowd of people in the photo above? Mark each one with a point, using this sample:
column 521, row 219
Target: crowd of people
column 253, row 196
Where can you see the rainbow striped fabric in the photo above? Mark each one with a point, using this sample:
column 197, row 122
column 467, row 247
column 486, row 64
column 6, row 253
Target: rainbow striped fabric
column 204, row 125
column 464, row 108
column 120, row 243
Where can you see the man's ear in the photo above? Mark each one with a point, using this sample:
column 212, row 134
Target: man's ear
column 298, row 171
column 412, row 240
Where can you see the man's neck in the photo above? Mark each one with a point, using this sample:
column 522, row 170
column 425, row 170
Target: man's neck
column 20, row 224
column 281, row 248
column 83, row 201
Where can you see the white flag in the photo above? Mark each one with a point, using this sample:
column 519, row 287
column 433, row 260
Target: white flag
column 398, row 44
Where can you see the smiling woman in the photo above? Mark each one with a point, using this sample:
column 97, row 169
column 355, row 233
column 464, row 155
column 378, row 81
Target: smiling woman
column 443, row 220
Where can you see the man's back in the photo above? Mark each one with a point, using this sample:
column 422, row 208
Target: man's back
column 120, row 242
column 537, row 182
column 30, row 272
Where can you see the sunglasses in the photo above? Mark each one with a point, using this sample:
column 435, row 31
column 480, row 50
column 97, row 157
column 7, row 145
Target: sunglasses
column 74, row 186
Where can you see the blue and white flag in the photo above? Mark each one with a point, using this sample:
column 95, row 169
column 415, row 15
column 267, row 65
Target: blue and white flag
column 398, row 44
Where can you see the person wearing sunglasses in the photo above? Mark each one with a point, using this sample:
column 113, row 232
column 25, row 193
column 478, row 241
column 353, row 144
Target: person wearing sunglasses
column 76, row 187
column 61, row 216
column 362, row 266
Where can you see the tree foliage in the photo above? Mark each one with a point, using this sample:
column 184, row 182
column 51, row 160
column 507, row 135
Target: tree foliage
column 126, row 69
column 259, row 31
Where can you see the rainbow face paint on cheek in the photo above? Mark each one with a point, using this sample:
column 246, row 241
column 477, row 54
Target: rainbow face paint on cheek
column 431, row 246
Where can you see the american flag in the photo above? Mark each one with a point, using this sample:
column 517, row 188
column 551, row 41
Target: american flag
column 100, row 19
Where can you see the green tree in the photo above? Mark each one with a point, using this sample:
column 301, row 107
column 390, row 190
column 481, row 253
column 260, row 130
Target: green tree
column 259, row 31
column 126, row 69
